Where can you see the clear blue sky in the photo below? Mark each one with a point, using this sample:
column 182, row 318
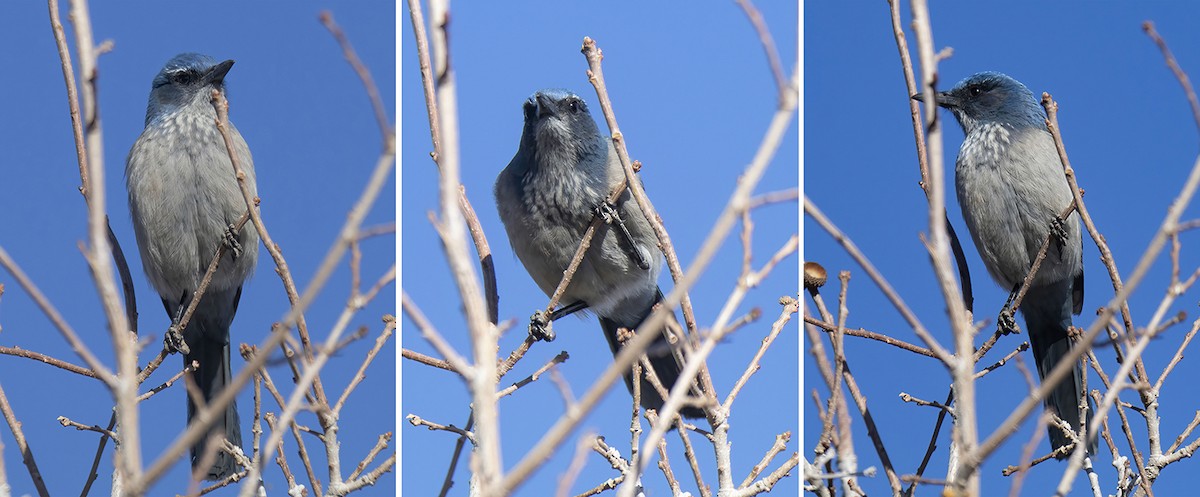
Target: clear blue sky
column 315, row 141
column 1130, row 137
column 693, row 95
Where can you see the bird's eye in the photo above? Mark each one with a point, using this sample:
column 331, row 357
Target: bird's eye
column 574, row 104
column 976, row 91
column 183, row 77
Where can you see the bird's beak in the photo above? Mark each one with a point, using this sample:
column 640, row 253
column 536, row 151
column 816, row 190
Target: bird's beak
column 942, row 99
column 530, row 109
column 545, row 106
column 217, row 74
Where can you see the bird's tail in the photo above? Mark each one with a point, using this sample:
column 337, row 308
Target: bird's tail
column 207, row 336
column 661, row 356
column 1047, row 311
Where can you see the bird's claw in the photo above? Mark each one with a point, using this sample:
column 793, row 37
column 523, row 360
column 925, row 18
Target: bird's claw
column 173, row 341
column 608, row 213
column 231, row 241
column 1006, row 324
column 540, row 327
column 1058, row 230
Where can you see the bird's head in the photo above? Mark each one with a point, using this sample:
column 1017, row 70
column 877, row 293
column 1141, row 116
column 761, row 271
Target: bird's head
column 991, row 97
column 186, row 79
column 559, row 119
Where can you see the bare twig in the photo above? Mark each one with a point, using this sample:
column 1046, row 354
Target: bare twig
column 938, row 351
column 458, row 448
column 45, row 359
column 457, row 363
column 415, row 420
column 879, row 337
column 780, row 444
column 171, row 381
column 385, row 125
column 753, row 366
column 106, row 375
column 572, row 473
column 596, row 77
column 558, row 359
column 1186, row 83
column 768, row 43
column 22, row 445
column 380, row 444
column 484, row 251
column 68, row 423
column 389, row 327
column 426, row 360
column 482, row 377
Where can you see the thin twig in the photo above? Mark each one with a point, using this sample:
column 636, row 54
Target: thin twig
column 106, row 375
column 427, row 360
column 385, row 126
column 879, row 337
column 45, row 359
column 68, row 423
column 938, row 351
column 483, row 250
column 596, row 76
column 380, row 444
column 22, row 445
column 558, row 359
column 1181, row 76
column 170, row 381
column 448, row 481
column 388, row 329
column 768, row 43
column 457, row 362
column 415, row 420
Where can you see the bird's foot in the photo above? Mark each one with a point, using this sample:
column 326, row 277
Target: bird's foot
column 1058, row 230
column 173, row 341
column 1006, row 324
column 540, row 327
column 608, row 213
column 231, row 241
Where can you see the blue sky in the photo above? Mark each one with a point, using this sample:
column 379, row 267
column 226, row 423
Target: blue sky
column 315, row 141
column 1130, row 137
column 693, row 95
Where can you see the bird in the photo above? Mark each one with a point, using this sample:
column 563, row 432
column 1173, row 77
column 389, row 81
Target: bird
column 184, row 200
column 1011, row 188
column 563, row 171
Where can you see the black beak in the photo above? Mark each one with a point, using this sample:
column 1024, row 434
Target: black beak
column 530, row 109
column 942, row 99
column 216, row 75
column 545, row 105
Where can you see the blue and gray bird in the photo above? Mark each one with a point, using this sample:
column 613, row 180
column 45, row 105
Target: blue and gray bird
column 184, row 200
column 1011, row 188
column 563, row 171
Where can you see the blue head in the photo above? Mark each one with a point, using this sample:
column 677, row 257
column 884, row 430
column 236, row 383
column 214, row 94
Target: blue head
column 559, row 126
column 992, row 97
column 186, row 79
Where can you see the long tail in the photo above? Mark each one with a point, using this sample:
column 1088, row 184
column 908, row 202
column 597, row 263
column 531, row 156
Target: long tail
column 207, row 336
column 1047, row 311
column 666, row 366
